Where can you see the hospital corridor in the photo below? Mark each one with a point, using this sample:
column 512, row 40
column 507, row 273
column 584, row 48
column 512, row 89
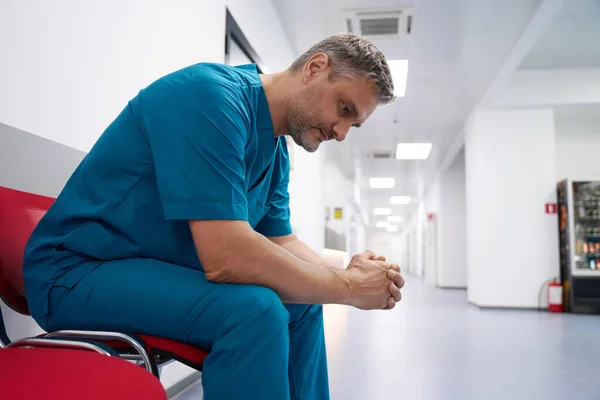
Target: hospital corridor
column 441, row 347
column 300, row 199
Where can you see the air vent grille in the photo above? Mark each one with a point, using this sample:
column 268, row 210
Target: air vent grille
column 379, row 26
column 380, row 155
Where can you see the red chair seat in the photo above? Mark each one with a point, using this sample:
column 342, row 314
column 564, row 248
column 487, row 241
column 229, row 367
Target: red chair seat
column 187, row 354
column 52, row 374
column 190, row 355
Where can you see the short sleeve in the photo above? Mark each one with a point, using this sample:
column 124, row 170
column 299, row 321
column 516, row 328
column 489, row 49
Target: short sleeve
column 198, row 134
column 277, row 220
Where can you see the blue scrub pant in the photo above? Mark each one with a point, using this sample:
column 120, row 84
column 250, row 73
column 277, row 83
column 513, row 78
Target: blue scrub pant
column 260, row 348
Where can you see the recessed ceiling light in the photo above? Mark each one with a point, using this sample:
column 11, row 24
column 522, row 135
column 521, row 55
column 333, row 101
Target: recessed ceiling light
column 399, row 70
column 413, row 151
column 382, row 183
column 382, row 211
column 400, row 200
column 391, row 228
column 395, row 218
column 382, row 224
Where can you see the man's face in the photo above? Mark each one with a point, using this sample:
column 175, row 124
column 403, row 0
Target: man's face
column 327, row 109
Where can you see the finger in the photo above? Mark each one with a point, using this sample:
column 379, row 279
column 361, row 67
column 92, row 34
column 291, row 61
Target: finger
column 395, row 266
column 399, row 281
column 396, row 277
column 381, row 258
column 369, row 255
column 391, row 303
column 395, row 292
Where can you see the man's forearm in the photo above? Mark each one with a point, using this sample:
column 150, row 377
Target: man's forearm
column 298, row 248
column 258, row 261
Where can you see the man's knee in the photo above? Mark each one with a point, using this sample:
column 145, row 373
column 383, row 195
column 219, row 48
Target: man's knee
column 304, row 312
column 314, row 315
column 257, row 306
column 315, row 310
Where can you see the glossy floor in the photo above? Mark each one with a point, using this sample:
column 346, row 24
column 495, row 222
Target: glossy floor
column 436, row 346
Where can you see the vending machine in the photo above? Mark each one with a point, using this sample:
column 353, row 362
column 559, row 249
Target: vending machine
column 579, row 235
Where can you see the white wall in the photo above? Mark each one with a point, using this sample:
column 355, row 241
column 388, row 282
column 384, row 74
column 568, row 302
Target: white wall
column 452, row 245
column 339, row 192
column 548, row 87
column 418, row 237
column 386, row 243
column 577, row 147
column 436, row 249
column 417, row 233
column 432, row 239
column 69, row 67
column 406, row 263
column 360, row 215
column 307, row 201
column 512, row 245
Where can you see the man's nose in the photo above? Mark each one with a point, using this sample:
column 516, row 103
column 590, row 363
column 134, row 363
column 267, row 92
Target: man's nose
column 341, row 130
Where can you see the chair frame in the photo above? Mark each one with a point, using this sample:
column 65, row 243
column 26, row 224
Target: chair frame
column 58, row 344
column 141, row 356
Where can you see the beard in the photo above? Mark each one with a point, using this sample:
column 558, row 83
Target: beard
column 303, row 118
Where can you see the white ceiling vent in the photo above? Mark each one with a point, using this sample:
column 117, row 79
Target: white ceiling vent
column 380, row 24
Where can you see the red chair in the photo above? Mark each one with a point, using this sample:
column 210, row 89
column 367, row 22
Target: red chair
column 20, row 212
column 29, row 372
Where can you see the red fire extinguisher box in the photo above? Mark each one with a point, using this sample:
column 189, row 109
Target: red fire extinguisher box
column 555, row 297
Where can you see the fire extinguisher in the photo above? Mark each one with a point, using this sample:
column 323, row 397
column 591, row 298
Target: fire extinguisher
column 555, row 296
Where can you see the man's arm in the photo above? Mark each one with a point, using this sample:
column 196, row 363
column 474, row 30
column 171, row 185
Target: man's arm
column 298, row 248
column 252, row 259
column 232, row 252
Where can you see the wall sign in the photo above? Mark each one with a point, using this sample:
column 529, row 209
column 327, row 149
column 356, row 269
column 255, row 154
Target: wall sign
column 337, row 213
column 550, row 208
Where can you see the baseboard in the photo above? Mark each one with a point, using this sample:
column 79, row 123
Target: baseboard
column 183, row 384
column 506, row 308
column 452, row 287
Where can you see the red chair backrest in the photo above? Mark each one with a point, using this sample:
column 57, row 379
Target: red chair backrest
column 20, row 213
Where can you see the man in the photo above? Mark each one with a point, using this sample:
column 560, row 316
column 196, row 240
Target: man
column 176, row 224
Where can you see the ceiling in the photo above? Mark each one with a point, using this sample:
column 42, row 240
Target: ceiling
column 577, row 111
column 455, row 51
column 572, row 40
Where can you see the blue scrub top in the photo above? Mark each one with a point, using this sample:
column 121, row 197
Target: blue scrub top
column 197, row 144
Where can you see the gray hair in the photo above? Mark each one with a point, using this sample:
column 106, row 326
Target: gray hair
column 352, row 56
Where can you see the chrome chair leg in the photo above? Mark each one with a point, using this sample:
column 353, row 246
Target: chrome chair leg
column 149, row 363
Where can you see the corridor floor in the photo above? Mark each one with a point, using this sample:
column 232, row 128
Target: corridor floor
column 436, row 346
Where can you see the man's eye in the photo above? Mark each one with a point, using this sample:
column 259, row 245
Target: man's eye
column 345, row 108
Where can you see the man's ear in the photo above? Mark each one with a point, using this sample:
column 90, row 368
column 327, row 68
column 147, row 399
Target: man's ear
column 316, row 66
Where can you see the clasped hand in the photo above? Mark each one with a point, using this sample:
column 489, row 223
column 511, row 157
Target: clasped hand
column 374, row 283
